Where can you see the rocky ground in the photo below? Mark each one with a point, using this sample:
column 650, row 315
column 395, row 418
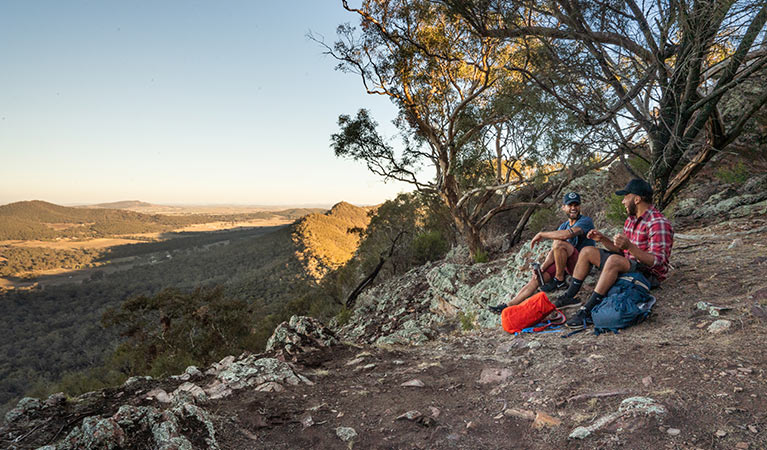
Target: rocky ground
column 422, row 365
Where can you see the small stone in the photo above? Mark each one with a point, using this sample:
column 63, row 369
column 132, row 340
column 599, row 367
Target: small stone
column 647, row 381
column 160, row 395
column 719, row 326
column 737, row 389
column 742, row 445
column 346, row 434
column 410, row 415
column 270, row 386
column 543, row 420
column 519, row 414
column 580, row 433
column 735, row 243
column 701, row 325
column 720, row 433
column 746, row 370
column 753, row 429
column 355, row 361
column 307, row 421
column 435, row 412
column 471, row 425
column 413, row 383
column 490, row 375
column 532, row 345
column 673, row 431
column 579, row 417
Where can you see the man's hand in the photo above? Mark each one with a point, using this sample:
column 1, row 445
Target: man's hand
column 596, row 235
column 536, row 239
column 621, row 241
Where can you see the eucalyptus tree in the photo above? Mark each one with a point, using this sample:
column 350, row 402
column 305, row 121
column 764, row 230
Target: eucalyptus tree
column 658, row 70
column 473, row 132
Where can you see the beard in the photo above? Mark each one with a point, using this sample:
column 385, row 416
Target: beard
column 632, row 209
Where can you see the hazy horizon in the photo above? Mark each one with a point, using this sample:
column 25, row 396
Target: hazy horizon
column 221, row 204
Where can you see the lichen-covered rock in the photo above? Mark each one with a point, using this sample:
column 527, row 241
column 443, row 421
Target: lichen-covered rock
column 23, row 408
column 94, row 433
column 411, row 310
column 300, row 334
column 346, row 434
column 251, row 371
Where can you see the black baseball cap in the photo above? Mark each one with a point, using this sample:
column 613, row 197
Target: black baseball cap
column 637, row 186
column 572, row 197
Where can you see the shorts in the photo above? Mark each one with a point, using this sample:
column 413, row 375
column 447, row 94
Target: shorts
column 569, row 267
column 636, row 266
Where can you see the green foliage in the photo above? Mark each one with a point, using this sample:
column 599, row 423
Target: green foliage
column 172, row 330
column 468, row 320
column 30, row 259
column 343, row 317
column 640, row 166
column 481, row 257
column 429, row 246
column 541, row 219
column 737, row 174
column 615, row 211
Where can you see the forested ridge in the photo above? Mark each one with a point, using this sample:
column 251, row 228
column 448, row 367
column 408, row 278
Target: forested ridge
column 57, row 330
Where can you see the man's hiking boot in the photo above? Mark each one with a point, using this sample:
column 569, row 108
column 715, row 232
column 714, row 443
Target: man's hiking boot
column 580, row 320
column 498, row 308
column 564, row 301
column 554, row 285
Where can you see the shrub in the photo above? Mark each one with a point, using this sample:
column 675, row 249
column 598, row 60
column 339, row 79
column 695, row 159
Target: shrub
column 615, row 211
column 467, row 320
column 640, row 166
column 343, row 316
column 481, row 257
column 541, row 219
column 429, row 246
column 737, row 174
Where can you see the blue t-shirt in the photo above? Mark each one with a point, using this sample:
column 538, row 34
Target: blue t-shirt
column 584, row 223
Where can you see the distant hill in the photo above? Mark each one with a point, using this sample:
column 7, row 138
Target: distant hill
column 37, row 219
column 125, row 204
column 327, row 241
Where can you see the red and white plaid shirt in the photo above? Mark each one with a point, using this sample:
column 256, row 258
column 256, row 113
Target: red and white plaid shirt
column 652, row 233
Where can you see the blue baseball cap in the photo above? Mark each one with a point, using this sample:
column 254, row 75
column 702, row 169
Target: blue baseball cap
column 572, row 197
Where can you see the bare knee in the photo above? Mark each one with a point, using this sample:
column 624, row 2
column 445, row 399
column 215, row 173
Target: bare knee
column 591, row 254
column 617, row 264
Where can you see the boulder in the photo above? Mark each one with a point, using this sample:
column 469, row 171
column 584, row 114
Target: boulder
column 300, row 334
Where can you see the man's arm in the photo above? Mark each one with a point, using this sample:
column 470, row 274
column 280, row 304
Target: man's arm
column 604, row 240
column 560, row 235
column 623, row 243
column 660, row 236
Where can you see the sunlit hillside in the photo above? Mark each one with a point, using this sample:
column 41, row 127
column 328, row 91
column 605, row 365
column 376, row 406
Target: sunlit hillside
column 327, row 241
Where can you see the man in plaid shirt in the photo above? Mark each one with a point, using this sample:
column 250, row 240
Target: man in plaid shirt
column 644, row 246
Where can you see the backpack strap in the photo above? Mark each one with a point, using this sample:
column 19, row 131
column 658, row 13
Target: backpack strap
column 636, row 282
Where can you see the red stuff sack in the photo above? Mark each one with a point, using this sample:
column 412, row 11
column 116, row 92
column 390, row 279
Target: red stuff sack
column 526, row 314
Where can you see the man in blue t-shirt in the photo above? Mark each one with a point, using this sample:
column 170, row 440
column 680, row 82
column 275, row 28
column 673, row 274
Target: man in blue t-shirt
column 568, row 239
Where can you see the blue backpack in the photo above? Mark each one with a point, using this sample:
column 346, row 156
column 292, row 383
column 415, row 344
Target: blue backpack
column 627, row 303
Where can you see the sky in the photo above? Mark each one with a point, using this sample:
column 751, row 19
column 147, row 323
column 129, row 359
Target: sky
column 178, row 102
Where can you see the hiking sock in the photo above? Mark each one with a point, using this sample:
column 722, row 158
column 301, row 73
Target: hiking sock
column 595, row 299
column 575, row 286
